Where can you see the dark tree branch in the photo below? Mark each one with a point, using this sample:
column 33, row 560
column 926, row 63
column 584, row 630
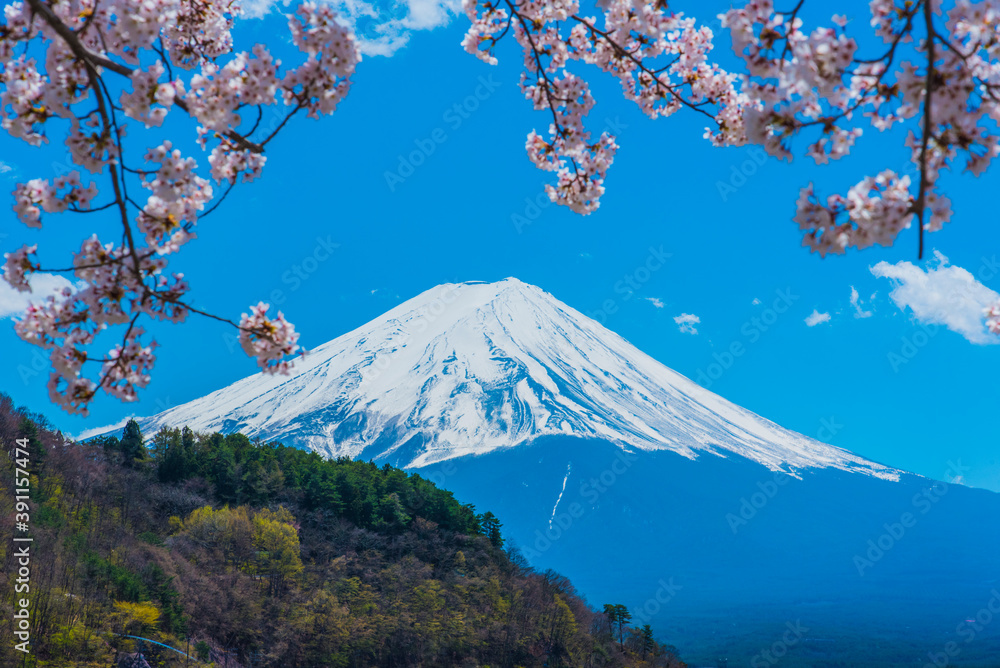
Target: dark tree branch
column 95, row 60
column 920, row 204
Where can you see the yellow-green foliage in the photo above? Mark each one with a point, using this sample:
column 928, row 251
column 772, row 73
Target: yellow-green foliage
column 277, row 546
column 264, row 542
column 137, row 618
column 81, row 643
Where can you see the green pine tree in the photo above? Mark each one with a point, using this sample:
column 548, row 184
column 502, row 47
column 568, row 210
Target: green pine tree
column 647, row 639
column 491, row 529
column 131, row 444
column 618, row 616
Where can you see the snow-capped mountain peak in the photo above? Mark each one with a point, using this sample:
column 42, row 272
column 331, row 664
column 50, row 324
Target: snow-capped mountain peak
column 473, row 367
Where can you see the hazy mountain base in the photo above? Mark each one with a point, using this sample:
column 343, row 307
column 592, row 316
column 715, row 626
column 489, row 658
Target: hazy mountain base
column 257, row 554
column 720, row 555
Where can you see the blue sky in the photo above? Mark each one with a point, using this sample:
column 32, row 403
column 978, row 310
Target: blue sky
column 911, row 384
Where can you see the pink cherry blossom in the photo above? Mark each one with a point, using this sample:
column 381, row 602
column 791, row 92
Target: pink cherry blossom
column 818, row 82
column 659, row 58
column 18, row 267
column 947, row 88
column 62, row 60
column 271, row 341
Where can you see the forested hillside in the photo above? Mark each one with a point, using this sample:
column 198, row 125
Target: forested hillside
column 255, row 554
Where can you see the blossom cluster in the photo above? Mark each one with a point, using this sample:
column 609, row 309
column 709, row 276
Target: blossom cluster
column 873, row 212
column 938, row 70
column 270, row 340
column 659, row 58
column 57, row 61
column 992, row 314
column 817, row 81
column 38, row 195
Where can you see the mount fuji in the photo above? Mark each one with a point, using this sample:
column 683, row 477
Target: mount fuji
column 466, row 369
column 721, row 529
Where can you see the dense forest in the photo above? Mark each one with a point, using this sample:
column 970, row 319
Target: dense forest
column 183, row 549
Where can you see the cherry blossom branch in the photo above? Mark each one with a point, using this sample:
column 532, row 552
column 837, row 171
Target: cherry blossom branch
column 115, row 364
column 818, row 79
column 71, row 39
column 119, row 285
column 796, row 82
column 619, row 49
column 631, row 44
column 928, row 128
column 120, row 197
column 789, row 18
column 546, row 86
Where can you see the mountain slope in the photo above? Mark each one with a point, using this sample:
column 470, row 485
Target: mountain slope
column 265, row 568
column 718, row 554
column 474, row 367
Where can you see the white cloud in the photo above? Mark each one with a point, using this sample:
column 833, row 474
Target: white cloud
column 5, row 168
column 856, row 303
column 655, row 301
column 756, row 301
column 382, row 27
column 256, row 9
column 686, row 323
column 943, row 295
column 816, row 318
column 426, row 14
column 13, row 302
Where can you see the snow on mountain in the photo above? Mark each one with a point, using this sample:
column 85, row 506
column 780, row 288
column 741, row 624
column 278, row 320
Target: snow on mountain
column 474, row 367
